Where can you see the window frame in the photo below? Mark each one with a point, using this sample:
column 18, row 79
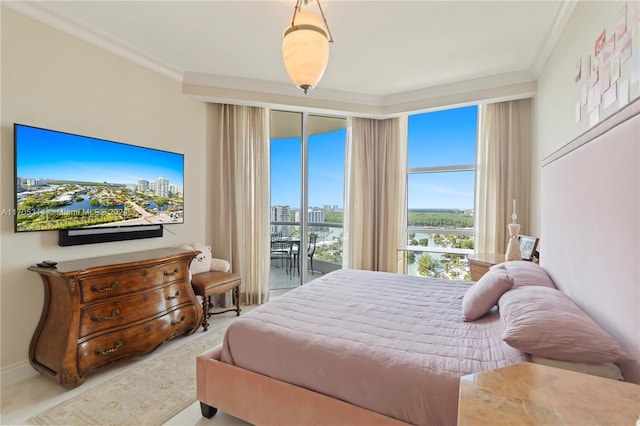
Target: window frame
column 437, row 169
column 304, row 224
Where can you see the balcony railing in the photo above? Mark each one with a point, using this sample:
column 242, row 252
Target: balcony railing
column 445, row 260
column 327, row 256
column 439, row 257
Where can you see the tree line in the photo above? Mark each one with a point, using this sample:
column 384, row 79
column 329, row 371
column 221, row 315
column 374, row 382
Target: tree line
column 450, row 219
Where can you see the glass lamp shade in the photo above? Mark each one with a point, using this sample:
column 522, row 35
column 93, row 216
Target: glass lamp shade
column 305, row 50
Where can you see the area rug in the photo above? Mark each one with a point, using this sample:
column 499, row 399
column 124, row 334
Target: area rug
column 150, row 393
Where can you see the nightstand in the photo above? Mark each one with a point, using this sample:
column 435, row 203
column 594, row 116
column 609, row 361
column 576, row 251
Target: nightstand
column 534, row 394
column 480, row 263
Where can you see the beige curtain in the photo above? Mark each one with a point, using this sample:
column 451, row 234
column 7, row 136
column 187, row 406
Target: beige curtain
column 239, row 229
column 503, row 173
column 375, row 193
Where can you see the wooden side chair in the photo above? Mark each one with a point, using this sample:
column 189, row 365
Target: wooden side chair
column 208, row 284
column 210, row 277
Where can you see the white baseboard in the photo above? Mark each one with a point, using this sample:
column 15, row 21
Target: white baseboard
column 17, row 372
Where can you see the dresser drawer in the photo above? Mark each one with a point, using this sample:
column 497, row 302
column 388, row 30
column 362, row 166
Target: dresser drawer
column 138, row 340
column 111, row 285
column 112, row 313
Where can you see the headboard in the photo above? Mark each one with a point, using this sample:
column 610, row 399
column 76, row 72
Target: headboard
column 590, row 226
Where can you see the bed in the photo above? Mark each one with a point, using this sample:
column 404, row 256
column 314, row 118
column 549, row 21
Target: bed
column 365, row 348
column 389, row 343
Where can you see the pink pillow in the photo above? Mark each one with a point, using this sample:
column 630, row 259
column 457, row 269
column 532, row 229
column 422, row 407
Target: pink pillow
column 526, row 273
column 545, row 322
column 483, row 295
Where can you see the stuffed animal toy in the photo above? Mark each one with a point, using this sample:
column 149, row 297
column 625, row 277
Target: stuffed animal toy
column 205, row 261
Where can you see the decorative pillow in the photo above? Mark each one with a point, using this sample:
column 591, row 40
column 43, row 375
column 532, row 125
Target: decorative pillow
column 483, row 295
column 545, row 322
column 526, row 273
column 607, row 370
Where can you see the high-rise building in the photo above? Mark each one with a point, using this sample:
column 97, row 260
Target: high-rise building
column 162, row 187
column 35, row 182
column 143, row 185
column 175, row 189
column 314, row 215
column 280, row 214
column 19, row 187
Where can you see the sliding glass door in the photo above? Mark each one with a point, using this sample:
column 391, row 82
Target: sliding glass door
column 307, row 185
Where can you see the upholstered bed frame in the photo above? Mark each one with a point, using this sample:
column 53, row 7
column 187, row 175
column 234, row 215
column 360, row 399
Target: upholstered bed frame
column 590, row 226
column 261, row 400
column 589, row 245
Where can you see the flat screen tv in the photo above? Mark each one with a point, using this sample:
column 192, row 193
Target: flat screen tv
column 66, row 181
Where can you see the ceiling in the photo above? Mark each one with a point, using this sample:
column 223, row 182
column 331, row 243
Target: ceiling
column 385, row 52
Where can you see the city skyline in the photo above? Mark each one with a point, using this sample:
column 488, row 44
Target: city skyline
column 52, row 155
column 445, row 137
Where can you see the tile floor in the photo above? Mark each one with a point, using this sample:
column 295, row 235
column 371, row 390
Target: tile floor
column 279, row 278
column 31, row 396
column 34, row 395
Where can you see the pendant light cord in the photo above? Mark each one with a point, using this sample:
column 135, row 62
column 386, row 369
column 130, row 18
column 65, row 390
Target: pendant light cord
column 297, row 9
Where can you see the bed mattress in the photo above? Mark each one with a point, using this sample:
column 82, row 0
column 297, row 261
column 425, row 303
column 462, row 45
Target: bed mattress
column 393, row 344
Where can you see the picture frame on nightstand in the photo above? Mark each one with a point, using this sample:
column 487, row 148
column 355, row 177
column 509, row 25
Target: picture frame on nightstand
column 528, row 246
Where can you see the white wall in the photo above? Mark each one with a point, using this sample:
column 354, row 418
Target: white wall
column 554, row 104
column 52, row 80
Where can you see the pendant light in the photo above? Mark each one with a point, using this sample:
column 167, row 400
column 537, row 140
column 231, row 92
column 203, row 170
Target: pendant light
column 305, row 46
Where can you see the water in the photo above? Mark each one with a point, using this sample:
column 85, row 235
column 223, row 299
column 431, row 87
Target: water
column 412, row 269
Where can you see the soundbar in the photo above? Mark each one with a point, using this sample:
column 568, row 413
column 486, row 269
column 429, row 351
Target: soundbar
column 74, row 237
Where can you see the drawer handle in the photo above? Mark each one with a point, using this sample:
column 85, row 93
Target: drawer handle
column 144, row 273
column 171, row 273
column 113, row 285
column 113, row 314
column 148, row 327
column 178, row 293
column 117, row 346
column 175, row 323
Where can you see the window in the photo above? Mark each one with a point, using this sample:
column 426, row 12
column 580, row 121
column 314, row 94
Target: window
column 441, row 160
column 307, row 175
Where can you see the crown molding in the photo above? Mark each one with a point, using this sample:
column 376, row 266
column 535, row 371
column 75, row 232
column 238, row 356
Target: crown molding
column 275, row 88
column 560, row 20
column 47, row 15
column 220, row 89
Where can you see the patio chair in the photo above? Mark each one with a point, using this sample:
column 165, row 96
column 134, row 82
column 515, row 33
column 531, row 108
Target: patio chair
column 281, row 249
column 311, row 248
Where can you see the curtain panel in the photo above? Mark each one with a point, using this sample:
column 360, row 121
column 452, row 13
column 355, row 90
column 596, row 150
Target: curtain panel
column 503, row 172
column 239, row 203
column 375, row 193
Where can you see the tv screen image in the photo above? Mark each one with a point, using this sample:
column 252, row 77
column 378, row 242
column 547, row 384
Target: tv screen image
column 68, row 181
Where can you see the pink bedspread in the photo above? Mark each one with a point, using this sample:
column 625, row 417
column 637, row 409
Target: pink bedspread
column 393, row 344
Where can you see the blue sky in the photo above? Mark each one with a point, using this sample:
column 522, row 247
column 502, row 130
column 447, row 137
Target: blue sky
column 442, row 138
column 52, row 155
column 326, row 170
column 435, row 139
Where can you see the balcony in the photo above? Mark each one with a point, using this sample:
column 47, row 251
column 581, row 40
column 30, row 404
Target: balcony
column 279, row 277
column 327, row 257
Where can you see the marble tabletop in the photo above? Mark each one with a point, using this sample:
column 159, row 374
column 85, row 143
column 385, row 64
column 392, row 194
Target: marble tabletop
column 534, row 394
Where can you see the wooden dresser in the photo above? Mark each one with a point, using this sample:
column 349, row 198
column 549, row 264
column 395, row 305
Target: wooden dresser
column 106, row 308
